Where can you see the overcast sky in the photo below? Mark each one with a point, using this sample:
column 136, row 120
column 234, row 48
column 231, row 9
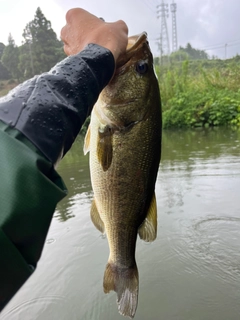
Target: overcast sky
column 213, row 25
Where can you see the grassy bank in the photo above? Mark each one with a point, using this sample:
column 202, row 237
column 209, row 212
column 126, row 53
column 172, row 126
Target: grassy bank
column 194, row 93
column 200, row 94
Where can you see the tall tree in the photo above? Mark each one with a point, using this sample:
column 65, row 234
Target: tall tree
column 4, row 74
column 41, row 47
column 10, row 57
column 194, row 53
column 2, row 46
column 25, row 61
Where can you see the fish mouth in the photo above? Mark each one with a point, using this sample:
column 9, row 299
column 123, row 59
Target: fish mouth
column 135, row 41
column 134, row 44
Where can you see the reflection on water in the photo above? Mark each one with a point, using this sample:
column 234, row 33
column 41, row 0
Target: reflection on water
column 74, row 170
column 191, row 271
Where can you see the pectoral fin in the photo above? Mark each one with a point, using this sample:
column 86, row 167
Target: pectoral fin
column 148, row 229
column 104, row 149
column 86, row 147
column 96, row 219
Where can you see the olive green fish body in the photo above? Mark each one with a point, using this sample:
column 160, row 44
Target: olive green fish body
column 124, row 139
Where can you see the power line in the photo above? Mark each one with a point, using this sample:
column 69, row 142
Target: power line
column 233, row 45
column 147, row 4
column 220, row 46
column 154, row 3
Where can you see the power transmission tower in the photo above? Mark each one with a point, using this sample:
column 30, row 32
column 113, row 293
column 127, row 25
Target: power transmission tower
column 174, row 27
column 162, row 11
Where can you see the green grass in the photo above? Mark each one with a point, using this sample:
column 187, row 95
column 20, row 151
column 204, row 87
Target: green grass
column 193, row 93
column 200, row 94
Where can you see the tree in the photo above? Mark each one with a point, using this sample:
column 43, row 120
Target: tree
column 179, row 55
column 10, row 58
column 194, row 54
column 25, row 61
column 4, row 74
column 41, row 49
column 2, row 46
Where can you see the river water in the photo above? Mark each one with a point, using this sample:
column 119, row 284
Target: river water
column 190, row 272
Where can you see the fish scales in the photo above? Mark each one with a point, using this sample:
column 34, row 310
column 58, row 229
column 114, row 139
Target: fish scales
column 124, row 140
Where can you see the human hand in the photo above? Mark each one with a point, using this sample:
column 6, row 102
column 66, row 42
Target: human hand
column 83, row 28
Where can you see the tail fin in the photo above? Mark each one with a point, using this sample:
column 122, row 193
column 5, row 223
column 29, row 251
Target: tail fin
column 125, row 282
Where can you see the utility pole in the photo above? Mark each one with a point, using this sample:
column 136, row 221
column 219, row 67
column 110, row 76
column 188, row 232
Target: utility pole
column 162, row 11
column 174, row 27
column 225, row 51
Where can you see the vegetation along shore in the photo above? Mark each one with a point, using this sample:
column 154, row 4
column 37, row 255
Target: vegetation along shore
column 196, row 90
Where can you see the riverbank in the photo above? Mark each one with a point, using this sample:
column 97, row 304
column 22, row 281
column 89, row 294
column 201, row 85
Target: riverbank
column 200, row 93
column 194, row 93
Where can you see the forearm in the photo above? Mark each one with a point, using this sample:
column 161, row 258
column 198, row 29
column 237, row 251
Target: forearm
column 51, row 108
column 39, row 121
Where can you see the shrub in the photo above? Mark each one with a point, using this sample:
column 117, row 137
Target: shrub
column 194, row 95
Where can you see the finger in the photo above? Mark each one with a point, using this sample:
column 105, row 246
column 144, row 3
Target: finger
column 122, row 25
column 70, row 15
column 65, row 34
column 66, row 49
column 79, row 14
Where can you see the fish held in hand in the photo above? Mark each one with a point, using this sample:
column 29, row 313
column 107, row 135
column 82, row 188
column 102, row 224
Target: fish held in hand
column 124, row 140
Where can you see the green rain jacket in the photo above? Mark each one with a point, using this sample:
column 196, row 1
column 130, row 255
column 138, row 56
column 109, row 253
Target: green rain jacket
column 39, row 121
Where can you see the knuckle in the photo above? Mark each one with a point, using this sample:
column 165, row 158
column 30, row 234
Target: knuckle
column 62, row 33
column 72, row 13
column 123, row 25
column 69, row 15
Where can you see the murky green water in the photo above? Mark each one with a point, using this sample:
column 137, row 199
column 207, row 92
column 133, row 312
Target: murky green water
column 192, row 270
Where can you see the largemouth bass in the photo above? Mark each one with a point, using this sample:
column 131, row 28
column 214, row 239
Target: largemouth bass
column 124, row 140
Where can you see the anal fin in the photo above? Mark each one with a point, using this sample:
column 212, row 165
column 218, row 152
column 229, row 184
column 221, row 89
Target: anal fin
column 148, row 229
column 96, row 219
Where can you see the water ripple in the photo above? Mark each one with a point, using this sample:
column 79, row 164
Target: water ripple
column 39, row 307
column 215, row 240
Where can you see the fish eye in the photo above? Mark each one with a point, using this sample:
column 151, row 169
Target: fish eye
column 141, row 67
